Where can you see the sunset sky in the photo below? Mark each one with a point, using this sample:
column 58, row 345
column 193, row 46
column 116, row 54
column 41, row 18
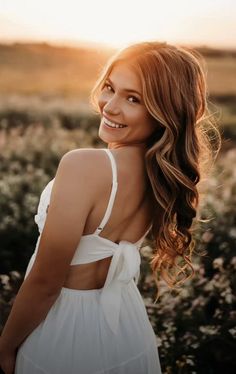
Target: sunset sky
column 116, row 23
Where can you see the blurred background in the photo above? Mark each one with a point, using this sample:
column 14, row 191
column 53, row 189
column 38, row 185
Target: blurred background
column 51, row 53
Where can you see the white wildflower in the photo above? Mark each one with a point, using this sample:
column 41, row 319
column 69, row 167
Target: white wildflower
column 209, row 329
column 232, row 232
column 233, row 332
column 218, row 263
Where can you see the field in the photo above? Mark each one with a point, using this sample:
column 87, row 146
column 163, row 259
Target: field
column 44, row 79
column 46, row 70
column 41, row 69
column 44, row 112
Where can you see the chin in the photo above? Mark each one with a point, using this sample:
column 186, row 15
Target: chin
column 104, row 137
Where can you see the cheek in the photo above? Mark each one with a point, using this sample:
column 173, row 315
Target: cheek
column 102, row 100
column 149, row 122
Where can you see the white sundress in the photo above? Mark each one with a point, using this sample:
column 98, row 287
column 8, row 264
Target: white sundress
column 98, row 331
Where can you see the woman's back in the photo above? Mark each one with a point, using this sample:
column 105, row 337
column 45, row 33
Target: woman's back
column 130, row 213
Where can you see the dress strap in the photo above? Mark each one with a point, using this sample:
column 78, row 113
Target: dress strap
column 113, row 193
column 139, row 242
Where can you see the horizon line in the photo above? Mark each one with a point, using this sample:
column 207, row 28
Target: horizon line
column 94, row 44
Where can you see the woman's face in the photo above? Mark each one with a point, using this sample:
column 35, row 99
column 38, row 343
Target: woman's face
column 121, row 103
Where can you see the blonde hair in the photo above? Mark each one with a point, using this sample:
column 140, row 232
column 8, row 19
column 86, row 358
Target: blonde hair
column 179, row 153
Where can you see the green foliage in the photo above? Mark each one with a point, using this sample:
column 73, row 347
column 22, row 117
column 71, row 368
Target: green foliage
column 30, row 159
column 9, row 286
column 195, row 327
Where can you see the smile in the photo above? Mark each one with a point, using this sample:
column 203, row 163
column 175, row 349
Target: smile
column 112, row 124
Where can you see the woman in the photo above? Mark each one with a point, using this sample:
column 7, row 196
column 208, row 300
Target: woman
column 79, row 309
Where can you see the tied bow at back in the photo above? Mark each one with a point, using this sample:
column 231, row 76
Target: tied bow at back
column 124, row 266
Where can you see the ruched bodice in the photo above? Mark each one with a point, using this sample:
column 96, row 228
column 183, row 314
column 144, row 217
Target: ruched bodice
column 125, row 263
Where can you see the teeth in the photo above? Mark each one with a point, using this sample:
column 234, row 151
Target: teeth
column 112, row 124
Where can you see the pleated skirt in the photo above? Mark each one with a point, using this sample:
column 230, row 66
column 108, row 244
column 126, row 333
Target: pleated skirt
column 75, row 338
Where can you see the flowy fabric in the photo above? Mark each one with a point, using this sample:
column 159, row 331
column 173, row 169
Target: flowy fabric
column 99, row 331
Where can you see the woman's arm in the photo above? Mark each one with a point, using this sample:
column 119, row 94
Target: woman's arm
column 72, row 198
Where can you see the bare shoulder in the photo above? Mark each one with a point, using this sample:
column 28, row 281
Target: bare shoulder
column 85, row 162
column 82, row 154
column 72, row 198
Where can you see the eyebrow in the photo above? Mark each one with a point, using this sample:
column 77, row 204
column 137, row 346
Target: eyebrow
column 125, row 89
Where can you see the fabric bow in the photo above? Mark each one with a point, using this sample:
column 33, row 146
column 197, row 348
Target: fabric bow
column 124, row 266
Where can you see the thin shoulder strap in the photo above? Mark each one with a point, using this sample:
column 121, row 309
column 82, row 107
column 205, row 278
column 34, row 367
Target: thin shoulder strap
column 139, row 242
column 112, row 195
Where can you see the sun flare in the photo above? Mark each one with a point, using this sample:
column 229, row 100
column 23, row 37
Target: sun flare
column 118, row 23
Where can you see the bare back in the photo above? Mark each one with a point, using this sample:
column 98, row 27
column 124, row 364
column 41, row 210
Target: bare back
column 130, row 216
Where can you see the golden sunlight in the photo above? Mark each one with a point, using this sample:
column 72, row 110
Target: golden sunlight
column 117, row 23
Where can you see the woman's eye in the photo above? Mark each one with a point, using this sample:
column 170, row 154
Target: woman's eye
column 106, row 85
column 135, row 99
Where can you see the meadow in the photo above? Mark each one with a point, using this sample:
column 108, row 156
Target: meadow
column 45, row 112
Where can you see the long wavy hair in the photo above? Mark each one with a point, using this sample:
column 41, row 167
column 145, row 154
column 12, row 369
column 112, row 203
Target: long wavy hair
column 179, row 153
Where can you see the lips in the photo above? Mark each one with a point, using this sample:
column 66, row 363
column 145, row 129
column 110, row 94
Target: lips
column 116, row 123
column 112, row 128
column 110, row 124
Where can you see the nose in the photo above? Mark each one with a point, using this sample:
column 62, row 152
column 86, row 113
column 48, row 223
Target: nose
column 111, row 106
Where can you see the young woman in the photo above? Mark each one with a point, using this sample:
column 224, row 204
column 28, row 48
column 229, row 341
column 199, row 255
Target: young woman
column 79, row 309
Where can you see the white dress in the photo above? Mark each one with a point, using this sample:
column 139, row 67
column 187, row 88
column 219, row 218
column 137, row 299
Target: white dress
column 99, row 331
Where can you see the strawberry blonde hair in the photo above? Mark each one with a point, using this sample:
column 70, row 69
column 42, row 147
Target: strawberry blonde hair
column 179, row 153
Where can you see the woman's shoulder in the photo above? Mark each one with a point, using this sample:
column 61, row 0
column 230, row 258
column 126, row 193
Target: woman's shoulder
column 89, row 160
column 83, row 151
column 82, row 154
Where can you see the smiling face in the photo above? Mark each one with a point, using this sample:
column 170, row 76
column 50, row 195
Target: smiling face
column 121, row 103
